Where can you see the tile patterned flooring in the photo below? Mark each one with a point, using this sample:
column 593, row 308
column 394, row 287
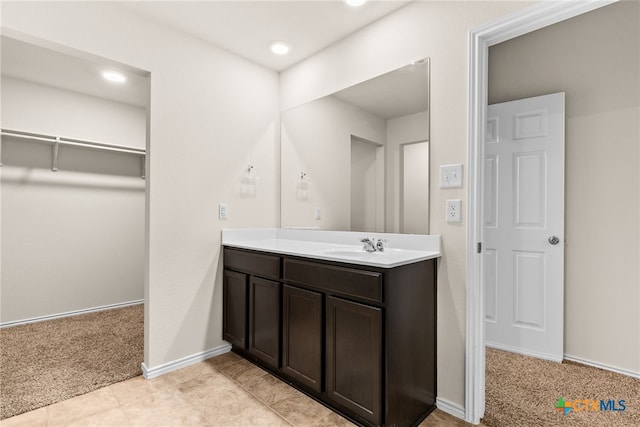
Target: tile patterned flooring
column 222, row 391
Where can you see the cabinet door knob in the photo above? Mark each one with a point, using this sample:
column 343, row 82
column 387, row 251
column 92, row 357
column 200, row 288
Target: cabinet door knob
column 554, row 240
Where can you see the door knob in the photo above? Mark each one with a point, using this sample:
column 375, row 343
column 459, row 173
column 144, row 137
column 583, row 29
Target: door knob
column 554, row 240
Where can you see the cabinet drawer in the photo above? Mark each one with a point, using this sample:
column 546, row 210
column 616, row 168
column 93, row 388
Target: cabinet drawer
column 253, row 263
column 360, row 284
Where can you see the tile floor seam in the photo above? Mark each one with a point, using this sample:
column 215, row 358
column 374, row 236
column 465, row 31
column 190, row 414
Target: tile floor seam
column 257, row 398
column 270, row 406
column 285, row 418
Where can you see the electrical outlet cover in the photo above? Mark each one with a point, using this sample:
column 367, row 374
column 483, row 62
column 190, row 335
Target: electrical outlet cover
column 453, row 210
column 223, row 211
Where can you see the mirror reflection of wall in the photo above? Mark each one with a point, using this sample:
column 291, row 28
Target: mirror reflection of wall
column 367, row 185
column 414, row 204
column 364, row 152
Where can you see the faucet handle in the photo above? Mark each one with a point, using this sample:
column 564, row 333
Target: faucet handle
column 368, row 244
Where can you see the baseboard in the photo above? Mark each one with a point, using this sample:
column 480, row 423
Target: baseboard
column 165, row 368
column 450, row 408
column 510, row 349
column 603, row 366
column 70, row 313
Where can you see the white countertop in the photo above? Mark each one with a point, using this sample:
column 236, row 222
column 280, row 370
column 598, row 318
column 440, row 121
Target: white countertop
column 341, row 246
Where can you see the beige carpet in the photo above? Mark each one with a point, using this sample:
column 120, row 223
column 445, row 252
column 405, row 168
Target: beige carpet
column 47, row 362
column 524, row 391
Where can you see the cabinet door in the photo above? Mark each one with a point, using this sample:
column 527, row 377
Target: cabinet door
column 354, row 357
column 264, row 320
column 302, row 336
column 234, row 297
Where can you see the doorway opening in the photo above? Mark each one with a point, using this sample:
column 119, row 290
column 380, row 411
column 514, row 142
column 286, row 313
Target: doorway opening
column 522, row 22
column 367, row 185
column 74, row 155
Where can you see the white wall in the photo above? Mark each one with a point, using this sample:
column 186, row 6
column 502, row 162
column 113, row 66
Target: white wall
column 439, row 30
column 72, row 239
column 45, row 109
column 595, row 59
column 328, row 123
column 211, row 115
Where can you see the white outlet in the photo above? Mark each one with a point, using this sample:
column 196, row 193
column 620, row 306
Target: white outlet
column 318, row 214
column 223, row 211
column 451, row 176
column 453, row 210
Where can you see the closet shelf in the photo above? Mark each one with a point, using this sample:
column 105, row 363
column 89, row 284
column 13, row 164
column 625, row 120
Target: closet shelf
column 58, row 141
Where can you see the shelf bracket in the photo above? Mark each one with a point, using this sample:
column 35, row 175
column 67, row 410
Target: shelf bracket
column 56, row 150
column 143, row 166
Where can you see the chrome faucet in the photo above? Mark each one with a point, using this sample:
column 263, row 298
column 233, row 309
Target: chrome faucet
column 368, row 244
column 373, row 245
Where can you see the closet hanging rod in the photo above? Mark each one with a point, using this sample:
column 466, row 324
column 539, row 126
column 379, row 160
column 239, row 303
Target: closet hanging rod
column 72, row 142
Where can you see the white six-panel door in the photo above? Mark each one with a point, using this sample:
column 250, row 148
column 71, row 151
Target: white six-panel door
column 523, row 248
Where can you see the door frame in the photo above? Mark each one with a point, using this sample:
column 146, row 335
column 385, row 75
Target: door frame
column 526, row 20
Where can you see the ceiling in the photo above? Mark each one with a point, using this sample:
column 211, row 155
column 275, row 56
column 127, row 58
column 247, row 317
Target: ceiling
column 394, row 94
column 243, row 27
column 248, row 27
column 45, row 66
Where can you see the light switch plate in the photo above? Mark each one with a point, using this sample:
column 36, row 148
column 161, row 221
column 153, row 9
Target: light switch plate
column 451, row 176
column 453, row 210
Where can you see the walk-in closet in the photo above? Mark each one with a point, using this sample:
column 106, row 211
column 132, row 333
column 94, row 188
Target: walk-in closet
column 74, row 156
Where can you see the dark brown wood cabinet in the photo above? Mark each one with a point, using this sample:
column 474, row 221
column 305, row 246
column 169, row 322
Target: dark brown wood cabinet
column 354, row 357
column 264, row 320
column 302, row 336
column 360, row 339
column 252, row 305
column 234, row 291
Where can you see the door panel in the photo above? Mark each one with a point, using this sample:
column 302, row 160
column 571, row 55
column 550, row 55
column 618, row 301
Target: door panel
column 234, row 296
column 523, row 272
column 354, row 357
column 529, row 289
column 491, row 285
column 264, row 320
column 302, row 336
column 529, row 177
column 491, row 191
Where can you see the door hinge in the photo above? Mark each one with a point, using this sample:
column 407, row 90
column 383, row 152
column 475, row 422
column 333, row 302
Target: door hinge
column 479, row 247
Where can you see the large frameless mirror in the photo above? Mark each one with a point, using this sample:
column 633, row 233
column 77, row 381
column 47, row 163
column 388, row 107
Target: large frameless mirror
column 358, row 159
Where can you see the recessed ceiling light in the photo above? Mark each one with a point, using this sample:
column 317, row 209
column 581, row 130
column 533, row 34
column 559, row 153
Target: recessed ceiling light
column 280, row 48
column 355, row 3
column 114, row 76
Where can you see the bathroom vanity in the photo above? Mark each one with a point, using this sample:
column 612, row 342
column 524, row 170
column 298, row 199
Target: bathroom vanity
column 353, row 329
